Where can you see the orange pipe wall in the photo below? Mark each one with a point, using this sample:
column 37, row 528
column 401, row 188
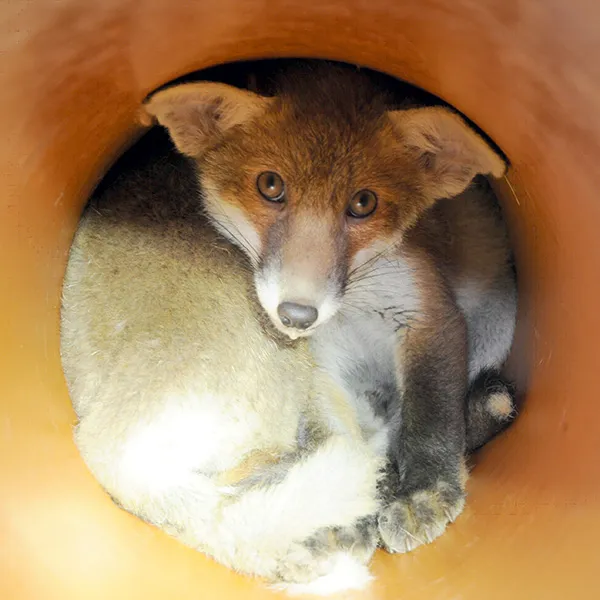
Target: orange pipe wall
column 71, row 76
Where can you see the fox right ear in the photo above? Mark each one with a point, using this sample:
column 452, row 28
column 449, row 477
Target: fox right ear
column 197, row 114
column 449, row 152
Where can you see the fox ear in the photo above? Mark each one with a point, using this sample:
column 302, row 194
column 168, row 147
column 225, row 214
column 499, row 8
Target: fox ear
column 447, row 149
column 197, row 114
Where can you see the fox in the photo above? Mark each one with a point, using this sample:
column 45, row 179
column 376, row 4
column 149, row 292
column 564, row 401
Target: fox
column 239, row 342
column 372, row 230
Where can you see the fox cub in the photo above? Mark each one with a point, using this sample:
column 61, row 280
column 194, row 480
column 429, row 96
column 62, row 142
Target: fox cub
column 282, row 340
column 371, row 232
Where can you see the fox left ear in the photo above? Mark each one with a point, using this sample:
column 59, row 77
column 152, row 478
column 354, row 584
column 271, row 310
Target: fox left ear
column 448, row 150
column 198, row 114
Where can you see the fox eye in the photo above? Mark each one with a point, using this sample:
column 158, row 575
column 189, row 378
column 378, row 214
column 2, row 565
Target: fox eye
column 362, row 205
column 271, row 186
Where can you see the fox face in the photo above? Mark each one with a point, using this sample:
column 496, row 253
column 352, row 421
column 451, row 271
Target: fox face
column 318, row 179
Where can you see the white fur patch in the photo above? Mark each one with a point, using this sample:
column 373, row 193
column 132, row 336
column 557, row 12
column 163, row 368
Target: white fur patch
column 500, row 405
column 378, row 247
column 335, row 485
column 177, row 443
column 468, row 294
column 490, row 312
column 268, row 290
column 357, row 346
column 232, row 222
column 346, row 574
column 327, row 310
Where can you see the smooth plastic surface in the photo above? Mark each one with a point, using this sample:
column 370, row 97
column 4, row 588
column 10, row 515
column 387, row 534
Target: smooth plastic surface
column 72, row 73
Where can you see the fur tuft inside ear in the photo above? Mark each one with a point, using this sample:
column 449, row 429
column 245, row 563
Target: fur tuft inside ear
column 450, row 153
column 197, row 114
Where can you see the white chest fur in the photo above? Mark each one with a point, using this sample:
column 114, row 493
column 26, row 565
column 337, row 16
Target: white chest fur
column 357, row 346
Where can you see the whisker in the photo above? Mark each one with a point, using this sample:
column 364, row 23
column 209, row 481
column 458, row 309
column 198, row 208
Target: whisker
column 243, row 243
column 370, row 261
column 374, row 270
column 237, row 234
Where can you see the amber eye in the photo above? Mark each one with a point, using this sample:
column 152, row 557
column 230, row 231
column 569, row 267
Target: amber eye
column 271, row 186
column 362, row 204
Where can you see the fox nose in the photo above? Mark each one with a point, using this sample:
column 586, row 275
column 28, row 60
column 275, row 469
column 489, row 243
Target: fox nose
column 298, row 316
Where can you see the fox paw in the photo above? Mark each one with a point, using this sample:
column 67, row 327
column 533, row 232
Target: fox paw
column 420, row 518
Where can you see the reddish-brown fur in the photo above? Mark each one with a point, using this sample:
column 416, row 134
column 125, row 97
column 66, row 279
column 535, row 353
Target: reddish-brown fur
column 300, row 136
column 328, row 133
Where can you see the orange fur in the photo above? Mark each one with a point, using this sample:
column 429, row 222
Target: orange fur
column 328, row 135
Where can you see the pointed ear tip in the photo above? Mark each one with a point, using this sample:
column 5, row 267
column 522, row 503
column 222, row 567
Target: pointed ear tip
column 158, row 101
column 499, row 166
column 144, row 117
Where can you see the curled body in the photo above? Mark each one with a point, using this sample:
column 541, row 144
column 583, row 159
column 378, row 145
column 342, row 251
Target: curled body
column 371, row 231
column 194, row 413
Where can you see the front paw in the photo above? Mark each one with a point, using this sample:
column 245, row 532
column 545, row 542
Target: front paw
column 420, row 517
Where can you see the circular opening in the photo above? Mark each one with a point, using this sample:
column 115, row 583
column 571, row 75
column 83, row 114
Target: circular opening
column 258, row 76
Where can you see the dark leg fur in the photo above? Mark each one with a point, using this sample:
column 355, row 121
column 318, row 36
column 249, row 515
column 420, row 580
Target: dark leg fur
column 424, row 488
column 418, row 517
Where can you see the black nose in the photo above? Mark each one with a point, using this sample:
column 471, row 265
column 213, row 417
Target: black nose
column 297, row 316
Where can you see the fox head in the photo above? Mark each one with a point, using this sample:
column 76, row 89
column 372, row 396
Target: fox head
column 317, row 179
